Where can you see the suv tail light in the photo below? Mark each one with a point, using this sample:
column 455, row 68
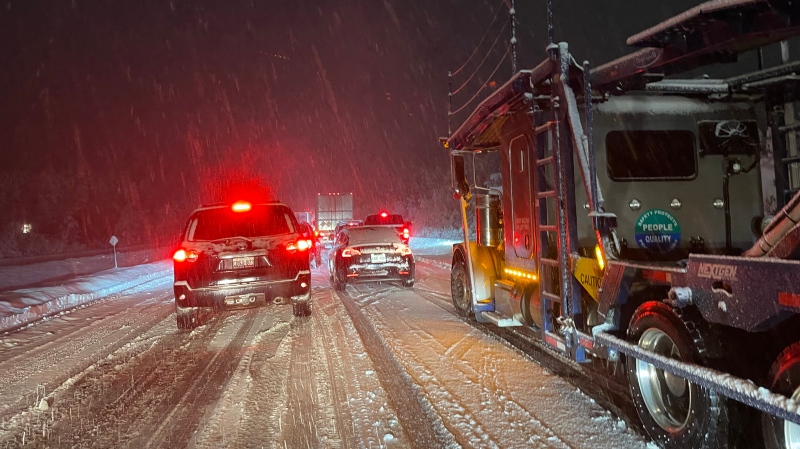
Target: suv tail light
column 350, row 252
column 300, row 245
column 182, row 255
column 406, row 233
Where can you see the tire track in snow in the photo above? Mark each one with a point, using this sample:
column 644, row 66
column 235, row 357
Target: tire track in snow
column 122, row 400
column 328, row 344
column 247, row 416
column 417, row 416
column 42, row 336
column 69, row 349
column 466, row 424
column 594, row 379
column 177, row 426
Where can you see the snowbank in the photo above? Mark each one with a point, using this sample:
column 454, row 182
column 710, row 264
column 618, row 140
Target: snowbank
column 23, row 306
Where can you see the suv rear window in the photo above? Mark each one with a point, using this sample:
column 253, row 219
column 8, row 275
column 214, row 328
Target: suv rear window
column 391, row 219
column 650, row 155
column 368, row 235
column 260, row 221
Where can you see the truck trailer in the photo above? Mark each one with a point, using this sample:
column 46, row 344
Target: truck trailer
column 649, row 221
column 332, row 208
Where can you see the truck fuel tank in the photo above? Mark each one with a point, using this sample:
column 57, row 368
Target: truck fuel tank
column 488, row 219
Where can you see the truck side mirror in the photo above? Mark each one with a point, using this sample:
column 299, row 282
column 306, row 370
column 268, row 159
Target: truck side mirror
column 460, row 184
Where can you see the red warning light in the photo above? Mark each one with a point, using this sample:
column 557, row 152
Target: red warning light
column 241, row 206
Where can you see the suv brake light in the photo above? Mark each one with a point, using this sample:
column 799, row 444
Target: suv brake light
column 406, row 233
column 300, row 245
column 241, row 206
column 182, row 255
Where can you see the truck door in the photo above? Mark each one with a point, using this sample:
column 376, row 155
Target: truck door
column 522, row 213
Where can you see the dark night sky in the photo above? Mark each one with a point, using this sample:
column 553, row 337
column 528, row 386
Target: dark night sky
column 331, row 95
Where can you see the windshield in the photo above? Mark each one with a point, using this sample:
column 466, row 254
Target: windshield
column 260, row 221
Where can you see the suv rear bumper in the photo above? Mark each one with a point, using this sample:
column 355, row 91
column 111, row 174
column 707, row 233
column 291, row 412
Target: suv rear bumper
column 380, row 273
column 279, row 291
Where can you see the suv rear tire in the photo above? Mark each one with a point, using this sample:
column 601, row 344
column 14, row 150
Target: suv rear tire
column 186, row 321
column 301, row 309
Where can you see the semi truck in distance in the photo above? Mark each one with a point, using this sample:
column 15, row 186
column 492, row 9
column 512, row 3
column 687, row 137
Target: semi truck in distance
column 332, row 208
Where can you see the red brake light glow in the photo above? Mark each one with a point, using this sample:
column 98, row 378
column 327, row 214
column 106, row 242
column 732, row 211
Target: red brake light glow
column 241, row 206
column 384, row 214
column 300, row 245
column 182, row 255
column 406, row 233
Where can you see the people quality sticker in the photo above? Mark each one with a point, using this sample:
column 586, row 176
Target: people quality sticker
column 658, row 231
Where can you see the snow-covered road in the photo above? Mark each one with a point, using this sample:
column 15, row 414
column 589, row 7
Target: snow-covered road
column 374, row 366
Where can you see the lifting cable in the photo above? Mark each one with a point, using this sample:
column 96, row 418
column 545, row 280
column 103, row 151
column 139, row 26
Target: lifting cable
column 500, row 33
column 486, row 33
column 482, row 87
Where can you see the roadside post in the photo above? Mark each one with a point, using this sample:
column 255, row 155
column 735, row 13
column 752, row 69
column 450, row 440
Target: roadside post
column 114, row 240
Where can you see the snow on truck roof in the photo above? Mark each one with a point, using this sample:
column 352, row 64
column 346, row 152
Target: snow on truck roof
column 667, row 52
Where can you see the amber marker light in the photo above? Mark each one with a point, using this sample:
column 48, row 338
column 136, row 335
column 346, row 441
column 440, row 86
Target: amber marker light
column 598, row 253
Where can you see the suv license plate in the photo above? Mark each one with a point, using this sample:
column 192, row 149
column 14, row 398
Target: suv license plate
column 238, row 300
column 378, row 258
column 244, row 262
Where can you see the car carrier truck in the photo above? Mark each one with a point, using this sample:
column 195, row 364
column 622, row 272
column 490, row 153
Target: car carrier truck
column 649, row 222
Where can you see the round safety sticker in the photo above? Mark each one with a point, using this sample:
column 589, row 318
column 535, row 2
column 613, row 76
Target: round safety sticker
column 658, row 231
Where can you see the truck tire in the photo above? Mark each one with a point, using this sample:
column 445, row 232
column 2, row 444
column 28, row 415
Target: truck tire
column 460, row 289
column 674, row 412
column 784, row 378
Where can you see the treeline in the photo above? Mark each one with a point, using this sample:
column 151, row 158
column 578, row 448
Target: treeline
column 68, row 212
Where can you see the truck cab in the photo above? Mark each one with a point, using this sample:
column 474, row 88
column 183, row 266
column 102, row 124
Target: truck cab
column 648, row 220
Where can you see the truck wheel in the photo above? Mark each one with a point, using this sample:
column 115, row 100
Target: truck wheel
column 675, row 412
column 460, row 289
column 408, row 283
column 784, row 378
